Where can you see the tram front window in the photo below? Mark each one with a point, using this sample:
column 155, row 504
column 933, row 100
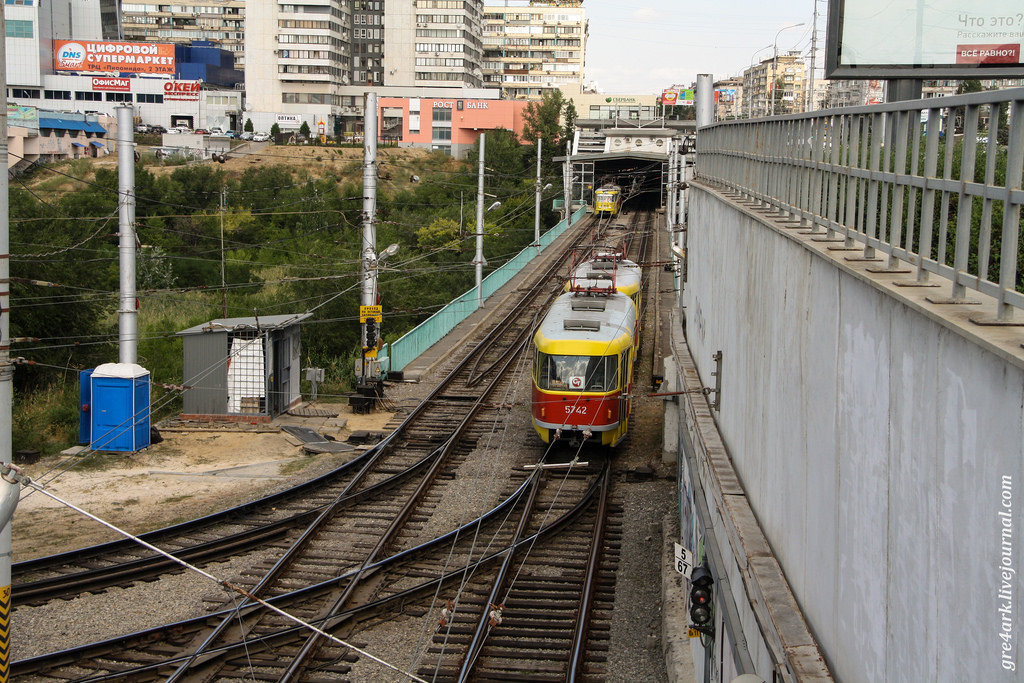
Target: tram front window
column 577, row 373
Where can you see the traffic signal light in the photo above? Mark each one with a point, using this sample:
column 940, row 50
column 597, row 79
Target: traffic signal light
column 702, row 587
column 371, row 334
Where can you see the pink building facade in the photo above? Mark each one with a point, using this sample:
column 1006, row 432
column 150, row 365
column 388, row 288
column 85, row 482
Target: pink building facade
column 449, row 125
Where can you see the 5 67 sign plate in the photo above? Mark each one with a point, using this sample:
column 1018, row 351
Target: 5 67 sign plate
column 684, row 560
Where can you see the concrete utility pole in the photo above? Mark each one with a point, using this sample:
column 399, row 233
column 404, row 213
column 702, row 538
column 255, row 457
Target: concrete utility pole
column 9, row 495
column 128, row 317
column 223, row 282
column 536, row 210
column 368, row 293
column 567, row 181
column 479, row 261
column 670, row 185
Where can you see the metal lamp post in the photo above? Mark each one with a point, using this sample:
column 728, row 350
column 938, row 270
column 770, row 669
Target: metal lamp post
column 775, row 60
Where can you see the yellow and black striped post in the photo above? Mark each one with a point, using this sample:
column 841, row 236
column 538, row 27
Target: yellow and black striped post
column 8, row 501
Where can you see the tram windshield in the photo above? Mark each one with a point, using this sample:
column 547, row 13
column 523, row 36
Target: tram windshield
column 577, row 373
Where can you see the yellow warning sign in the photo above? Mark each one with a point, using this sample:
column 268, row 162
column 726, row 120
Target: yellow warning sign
column 693, row 633
column 370, row 313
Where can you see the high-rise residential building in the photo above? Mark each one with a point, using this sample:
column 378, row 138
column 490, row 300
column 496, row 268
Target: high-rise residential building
column 368, row 41
column 221, row 23
column 297, row 57
column 534, row 45
column 775, row 86
column 433, row 43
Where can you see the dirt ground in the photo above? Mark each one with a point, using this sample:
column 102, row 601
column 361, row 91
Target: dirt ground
column 187, row 475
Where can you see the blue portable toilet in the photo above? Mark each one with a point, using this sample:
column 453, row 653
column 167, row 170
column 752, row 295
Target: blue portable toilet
column 119, row 407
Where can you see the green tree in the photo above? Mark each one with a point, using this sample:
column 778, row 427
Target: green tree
column 248, row 128
column 275, row 130
column 505, row 161
column 543, row 120
column 304, row 130
column 569, row 117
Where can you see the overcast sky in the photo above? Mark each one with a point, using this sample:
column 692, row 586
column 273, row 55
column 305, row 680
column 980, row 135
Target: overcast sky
column 643, row 46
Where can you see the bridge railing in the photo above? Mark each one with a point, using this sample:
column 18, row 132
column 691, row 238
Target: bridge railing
column 932, row 185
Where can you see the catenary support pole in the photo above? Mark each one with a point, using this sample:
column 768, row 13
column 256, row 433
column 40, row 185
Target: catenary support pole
column 478, row 261
column 536, row 209
column 369, row 281
column 9, row 494
column 128, row 320
column 567, row 181
column 670, row 184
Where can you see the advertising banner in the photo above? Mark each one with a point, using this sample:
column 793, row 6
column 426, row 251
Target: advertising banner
column 942, row 36
column 181, row 91
column 148, row 58
column 18, row 115
column 112, row 83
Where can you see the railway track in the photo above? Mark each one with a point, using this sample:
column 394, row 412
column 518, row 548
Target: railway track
column 280, row 517
column 356, row 559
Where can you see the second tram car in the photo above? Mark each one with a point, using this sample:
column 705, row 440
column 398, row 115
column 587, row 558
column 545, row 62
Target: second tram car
column 584, row 352
column 608, row 270
column 608, row 200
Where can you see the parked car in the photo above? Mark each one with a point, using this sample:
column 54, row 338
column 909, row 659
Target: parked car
column 260, row 137
column 143, row 128
column 157, row 129
column 201, row 131
column 247, row 135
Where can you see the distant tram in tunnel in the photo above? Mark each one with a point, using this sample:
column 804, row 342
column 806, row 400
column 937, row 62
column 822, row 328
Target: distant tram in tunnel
column 608, row 200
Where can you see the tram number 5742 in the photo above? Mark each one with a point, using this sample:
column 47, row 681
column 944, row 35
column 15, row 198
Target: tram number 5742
column 575, row 410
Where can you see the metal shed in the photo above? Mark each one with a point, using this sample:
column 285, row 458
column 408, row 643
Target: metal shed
column 242, row 368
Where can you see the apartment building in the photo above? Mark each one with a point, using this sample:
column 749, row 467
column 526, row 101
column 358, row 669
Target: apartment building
column 221, row 22
column 534, row 45
column 778, row 85
column 433, row 43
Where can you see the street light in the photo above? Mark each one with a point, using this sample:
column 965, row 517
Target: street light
column 775, row 61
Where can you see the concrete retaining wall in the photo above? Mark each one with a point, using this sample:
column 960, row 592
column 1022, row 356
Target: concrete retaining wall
column 879, row 440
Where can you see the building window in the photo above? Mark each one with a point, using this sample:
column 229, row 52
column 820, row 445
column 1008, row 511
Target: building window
column 27, row 93
column 442, row 114
column 19, row 28
column 150, row 98
column 89, row 96
column 442, row 134
column 57, row 94
column 119, row 97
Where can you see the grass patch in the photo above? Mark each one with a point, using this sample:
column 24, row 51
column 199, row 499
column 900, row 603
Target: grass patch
column 177, row 499
column 295, row 466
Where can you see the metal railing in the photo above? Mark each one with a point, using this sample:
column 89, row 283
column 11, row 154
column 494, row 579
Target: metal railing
column 900, row 180
column 401, row 352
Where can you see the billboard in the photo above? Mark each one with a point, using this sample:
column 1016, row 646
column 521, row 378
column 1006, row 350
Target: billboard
column 924, row 39
column 86, row 55
column 182, row 91
column 674, row 96
column 112, row 83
